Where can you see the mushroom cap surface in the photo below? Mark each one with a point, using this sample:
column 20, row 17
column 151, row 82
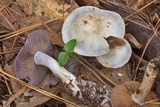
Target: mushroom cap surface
column 120, row 53
column 24, row 65
column 121, row 95
column 89, row 26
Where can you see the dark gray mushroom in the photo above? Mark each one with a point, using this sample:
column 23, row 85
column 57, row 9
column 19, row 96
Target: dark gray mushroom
column 24, row 65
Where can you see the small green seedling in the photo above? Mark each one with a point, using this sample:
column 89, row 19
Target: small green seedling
column 63, row 57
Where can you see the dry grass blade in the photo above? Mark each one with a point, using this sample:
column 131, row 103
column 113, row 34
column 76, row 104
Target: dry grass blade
column 13, row 34
column 139, row 10
column 63, row 10
column 14, row 30
column 90, row 67
column 13, row 11
column 132, row 40
column 144, row 50
column 3, row 77
column 44, row 24
column 39, row 90
column 8, row 21
column 154, row 101
column 9, row 90
column 7, row 10
column 12, row 98
column 119, row 6
column 144, row 62
column 8, row 52
column 15, row 39
column 10, row 14
column 141, row 25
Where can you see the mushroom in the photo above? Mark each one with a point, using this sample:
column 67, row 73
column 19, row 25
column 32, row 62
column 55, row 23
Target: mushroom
column 134, row 94
column 65, row 76
column 90, row 26
column 24, row 65
column 119, row 54
column 34, row 59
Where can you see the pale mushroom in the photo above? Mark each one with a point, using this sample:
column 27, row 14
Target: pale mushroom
column 90, row 26
column 24, row 65
column 119, row 54
column 134, row 94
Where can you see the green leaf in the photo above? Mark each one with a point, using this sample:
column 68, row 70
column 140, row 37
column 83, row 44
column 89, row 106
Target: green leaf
column 70, row 45
column 63, row 58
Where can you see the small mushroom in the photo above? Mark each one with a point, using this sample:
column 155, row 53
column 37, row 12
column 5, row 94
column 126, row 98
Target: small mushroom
column 90, row 26
column 134, row 94
column 119, row 54
column 24, row 65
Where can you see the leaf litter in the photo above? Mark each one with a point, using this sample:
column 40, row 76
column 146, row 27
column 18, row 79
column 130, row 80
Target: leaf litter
column 19, row 18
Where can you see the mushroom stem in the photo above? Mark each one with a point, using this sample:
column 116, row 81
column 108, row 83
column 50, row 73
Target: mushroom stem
column 151, row 72
column 65, row 76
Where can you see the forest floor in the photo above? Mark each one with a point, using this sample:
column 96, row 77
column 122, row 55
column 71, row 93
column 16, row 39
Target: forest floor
column 18, row 18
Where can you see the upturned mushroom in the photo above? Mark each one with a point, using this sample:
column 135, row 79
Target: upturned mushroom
column 119, row 54
column 135, row 94
column 90, row 26
column 24, row 65
column 34, row 59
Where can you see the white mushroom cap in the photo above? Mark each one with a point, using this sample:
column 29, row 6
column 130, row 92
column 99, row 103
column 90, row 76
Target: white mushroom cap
column 118, row 55
column 89, row 26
